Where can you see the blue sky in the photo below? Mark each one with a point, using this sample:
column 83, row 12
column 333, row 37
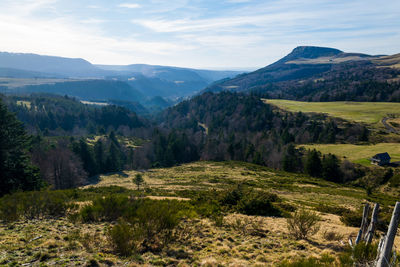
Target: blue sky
column 224, row 34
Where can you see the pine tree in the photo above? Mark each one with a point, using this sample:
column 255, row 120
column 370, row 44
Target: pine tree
column 86, row 154
column 138, row 180
column 16, row 171
column 331, row 169
column 291, row 161
column 99, row 156
column 313, row 164
column 113, row 161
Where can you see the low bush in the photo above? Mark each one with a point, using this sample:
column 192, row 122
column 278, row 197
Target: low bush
column 122, row 238
column 108, row 208
column 332, row 236
column 303, row 224
column 351, row 218
column 337, row 210
column 394, row 181
column 246, row 200
column 258, row 203
column 324, row 261
column 35, row 205
column 150, row 229
column 360, row 255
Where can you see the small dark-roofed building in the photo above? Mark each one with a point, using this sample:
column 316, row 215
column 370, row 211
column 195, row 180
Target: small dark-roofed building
column 381, row 159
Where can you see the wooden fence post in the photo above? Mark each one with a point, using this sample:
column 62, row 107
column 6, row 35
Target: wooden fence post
column 374, row 220
column 364, row 224
column 384, row 257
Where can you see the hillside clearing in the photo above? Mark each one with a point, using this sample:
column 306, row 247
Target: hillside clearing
column 358, row 153
column 182, row 181
column 366, row 112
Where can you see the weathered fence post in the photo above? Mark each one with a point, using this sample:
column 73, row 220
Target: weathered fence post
column 374, row 220
column 364, row 224
column 384, row 256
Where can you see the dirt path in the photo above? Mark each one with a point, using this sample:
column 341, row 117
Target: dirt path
column 388, row 126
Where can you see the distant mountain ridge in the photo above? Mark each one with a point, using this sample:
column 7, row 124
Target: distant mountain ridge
column 137, row 81
column 322, row 74
column 67, row 67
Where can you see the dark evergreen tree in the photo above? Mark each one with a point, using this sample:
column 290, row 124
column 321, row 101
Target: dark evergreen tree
column 16, row 171
column 114, row 162
column 313, row 164
column 83, row 150
column 331, row 169
column 291, row 159
column 99, row 156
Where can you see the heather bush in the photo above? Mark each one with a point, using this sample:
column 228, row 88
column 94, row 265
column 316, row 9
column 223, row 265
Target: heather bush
column 35, row 205
column 108, row 208
column 303, row 224
column 246, row 200
column 150, row 228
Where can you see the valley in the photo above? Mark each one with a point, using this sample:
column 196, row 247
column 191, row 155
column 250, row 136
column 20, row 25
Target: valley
column 115, row 165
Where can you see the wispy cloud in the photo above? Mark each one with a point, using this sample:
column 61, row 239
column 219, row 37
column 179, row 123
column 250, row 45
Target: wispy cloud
column 129, row 5
column 230, row 33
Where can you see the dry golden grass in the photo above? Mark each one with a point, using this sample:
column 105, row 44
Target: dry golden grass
column 295, row 189
column 240, row 241
column 392, row 61
column 197, row 242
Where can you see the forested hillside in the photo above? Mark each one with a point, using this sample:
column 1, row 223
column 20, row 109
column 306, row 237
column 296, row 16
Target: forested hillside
column 231, row 126
column 322, row 74
column 57, row 116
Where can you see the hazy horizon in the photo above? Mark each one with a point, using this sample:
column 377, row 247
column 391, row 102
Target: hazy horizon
column 230, row 34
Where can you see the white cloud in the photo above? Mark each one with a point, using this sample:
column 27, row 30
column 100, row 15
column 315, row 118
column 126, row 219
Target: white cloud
column 64, row 37
column 129, row 5
column 93, row 21
column 196, row 33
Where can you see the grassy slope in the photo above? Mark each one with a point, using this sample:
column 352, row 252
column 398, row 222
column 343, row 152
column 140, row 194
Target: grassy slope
column 202, row 241
column 367, row 112
column 180, row 181
column 358, row 153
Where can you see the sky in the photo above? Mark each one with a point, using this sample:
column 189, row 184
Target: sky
column 213, row 34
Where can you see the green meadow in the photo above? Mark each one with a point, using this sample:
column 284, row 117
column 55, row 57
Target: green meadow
column 358, row 153
column 367, row 112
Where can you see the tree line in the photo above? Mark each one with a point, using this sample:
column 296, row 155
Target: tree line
column 231, row 126
column 224, row 126
column 52, row 115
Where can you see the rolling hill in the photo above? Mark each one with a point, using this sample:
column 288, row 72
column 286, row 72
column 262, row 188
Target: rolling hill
column 322, row 74
column 147, row 80
column 57, row 66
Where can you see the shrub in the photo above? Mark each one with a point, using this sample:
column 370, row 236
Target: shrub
column 155, row 222
column 324, row 260
column 332, row 236
column 394, row 181
column 149, row 229
column 122, row 238
column 337, row 210
column 351, row 218
column 108, row 208
column 303, row 223
column 35, row 204
column 258, row 203
column 360, row 255
column 249, row 201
